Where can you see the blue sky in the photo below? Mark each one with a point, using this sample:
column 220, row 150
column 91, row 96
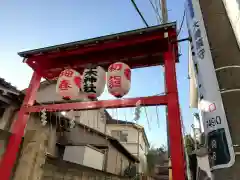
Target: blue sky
column 33, row 24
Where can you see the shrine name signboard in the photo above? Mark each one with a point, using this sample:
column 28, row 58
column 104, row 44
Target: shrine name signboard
column 221, row 153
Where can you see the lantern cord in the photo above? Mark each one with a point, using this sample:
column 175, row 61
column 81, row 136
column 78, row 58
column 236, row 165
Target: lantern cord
column 145, row 109
column 157, row 117
column 139, row 13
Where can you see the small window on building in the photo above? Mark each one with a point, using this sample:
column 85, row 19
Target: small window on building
column 120, row 135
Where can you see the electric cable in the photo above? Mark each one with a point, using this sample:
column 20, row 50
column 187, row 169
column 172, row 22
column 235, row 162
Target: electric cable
column 156, row 12
column 180, row 29
column 139, row 13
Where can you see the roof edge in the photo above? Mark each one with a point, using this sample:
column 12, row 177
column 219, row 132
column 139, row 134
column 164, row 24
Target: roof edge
column 26, row 54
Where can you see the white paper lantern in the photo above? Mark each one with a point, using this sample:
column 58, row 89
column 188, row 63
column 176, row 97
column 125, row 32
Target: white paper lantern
column 93, row 82
column 119, row 79
column 69, row 84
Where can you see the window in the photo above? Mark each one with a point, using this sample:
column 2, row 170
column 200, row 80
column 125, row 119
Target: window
column 120, row 135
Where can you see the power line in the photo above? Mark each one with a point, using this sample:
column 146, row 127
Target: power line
column 158, row 4
column 156, row 12
column 180, row 29
column 139, row 13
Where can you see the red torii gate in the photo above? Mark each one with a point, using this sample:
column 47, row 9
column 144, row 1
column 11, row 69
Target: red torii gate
column 140, row 48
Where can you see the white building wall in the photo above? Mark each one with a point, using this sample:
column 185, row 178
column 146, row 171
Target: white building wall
column 74, row 154
column 131, row 147
column 137, row 149
column 132, row 132
column 143, row 150
column 132, row 139
column 143, row 161
column 93, row 158
column 90, row 118
column 84, row 155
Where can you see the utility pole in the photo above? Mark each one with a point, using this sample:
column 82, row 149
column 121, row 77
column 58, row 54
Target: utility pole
column 164, row 11
column 225, row 56
column 225, row 53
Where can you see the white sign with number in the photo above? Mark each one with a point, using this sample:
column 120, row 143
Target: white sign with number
column 213, row 114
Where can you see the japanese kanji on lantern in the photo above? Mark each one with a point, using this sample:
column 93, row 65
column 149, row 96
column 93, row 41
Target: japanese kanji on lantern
column 119, row 79
column 94, row 80
column 69, row 84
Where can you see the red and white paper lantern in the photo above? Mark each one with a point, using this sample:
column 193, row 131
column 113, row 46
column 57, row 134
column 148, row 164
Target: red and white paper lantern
column 119, row 79
column 93, row 82
column 69, row 84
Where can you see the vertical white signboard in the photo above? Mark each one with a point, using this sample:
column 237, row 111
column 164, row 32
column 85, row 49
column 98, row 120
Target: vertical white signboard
column 221, row 153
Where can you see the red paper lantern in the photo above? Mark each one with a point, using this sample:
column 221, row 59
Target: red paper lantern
column 119, row 79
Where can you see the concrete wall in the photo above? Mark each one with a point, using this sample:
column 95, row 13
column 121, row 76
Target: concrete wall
column 60, row 172
column 4, row 135
column 33, row 151
column 34, row 148
column 6, row 119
